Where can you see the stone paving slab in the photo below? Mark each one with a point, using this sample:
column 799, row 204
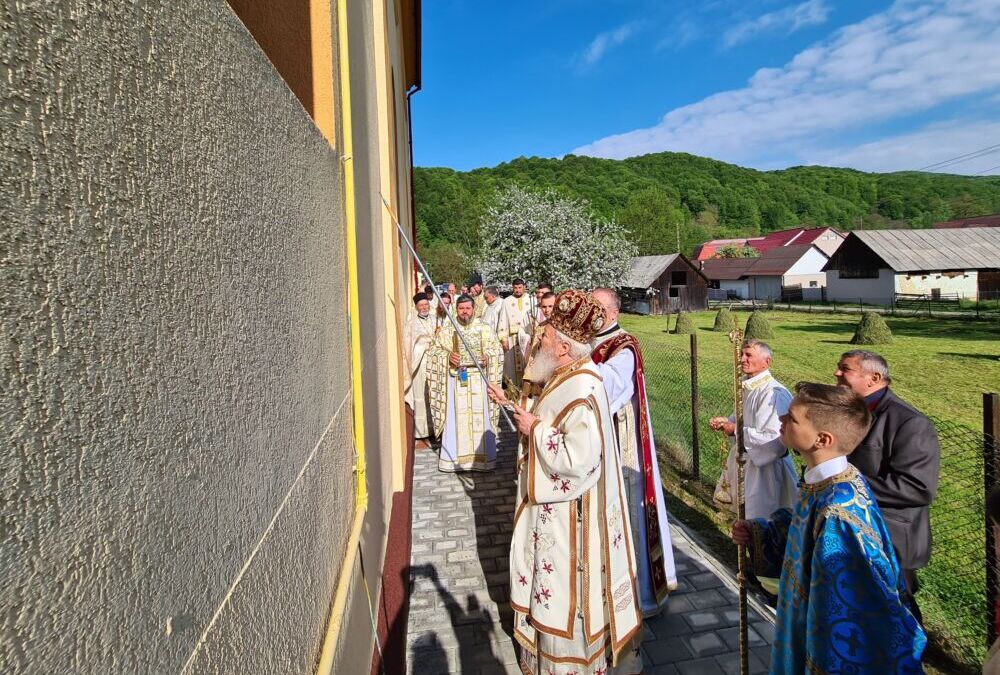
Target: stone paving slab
column 460, row 619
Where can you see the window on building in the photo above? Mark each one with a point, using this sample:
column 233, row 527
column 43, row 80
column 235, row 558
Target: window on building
column 679, row 278
column 935, row 294
column 813, row 284
column 675, row 292
column 846, row 273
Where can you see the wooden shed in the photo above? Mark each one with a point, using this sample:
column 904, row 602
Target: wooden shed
column 660, row 284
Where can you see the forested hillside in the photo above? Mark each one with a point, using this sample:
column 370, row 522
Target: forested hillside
column 667, row 198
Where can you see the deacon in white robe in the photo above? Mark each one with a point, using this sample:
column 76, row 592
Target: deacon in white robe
column 418, row 336
column 572, row 565
column 462, row 412
column 619, row 360
column 515, row 332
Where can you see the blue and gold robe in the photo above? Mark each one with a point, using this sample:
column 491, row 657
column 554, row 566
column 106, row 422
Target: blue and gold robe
column 842, row 600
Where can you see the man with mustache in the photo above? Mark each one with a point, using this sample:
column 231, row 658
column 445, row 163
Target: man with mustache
column 462, row 412
column 572, row 566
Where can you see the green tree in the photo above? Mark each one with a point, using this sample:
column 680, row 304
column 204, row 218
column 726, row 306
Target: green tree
column 734, row 251
column 446, row 261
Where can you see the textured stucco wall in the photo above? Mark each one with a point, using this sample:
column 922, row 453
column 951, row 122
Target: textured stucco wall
column 176, row 482
column 965, row 284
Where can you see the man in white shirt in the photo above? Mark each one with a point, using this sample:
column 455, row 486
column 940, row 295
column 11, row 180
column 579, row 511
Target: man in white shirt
column 491, row 315
column 770, row 474
column 771, row 482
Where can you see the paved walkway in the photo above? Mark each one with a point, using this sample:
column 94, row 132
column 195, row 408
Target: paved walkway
column 460, row 621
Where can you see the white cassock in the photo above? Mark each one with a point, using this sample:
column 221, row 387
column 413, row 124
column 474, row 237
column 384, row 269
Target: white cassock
column 491, row 315
column 771, row 483
column 651, row 531
column 418, row 336
column 571, row 562
column 515, row 328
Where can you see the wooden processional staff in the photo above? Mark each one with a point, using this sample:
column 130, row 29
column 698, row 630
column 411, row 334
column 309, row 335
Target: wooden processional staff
column 736, row 337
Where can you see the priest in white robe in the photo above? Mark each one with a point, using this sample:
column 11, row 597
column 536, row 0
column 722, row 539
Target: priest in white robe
column 515, row 331
column 418, row 336
column 462, row 412
column 572, row 565
column 619, row 360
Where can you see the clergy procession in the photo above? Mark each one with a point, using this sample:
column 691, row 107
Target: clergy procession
column 835, row 543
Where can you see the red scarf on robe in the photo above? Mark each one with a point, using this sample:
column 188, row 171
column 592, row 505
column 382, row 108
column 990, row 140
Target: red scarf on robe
column 604, row 352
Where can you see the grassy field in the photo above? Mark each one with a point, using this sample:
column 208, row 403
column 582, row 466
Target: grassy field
column 941, row 366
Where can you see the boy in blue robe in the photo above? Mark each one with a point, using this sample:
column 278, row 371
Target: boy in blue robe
column 842, row 606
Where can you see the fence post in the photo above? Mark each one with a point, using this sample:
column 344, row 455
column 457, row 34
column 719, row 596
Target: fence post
column 991, row 444
column 695, row 446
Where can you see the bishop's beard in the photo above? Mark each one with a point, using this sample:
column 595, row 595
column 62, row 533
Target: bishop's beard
column 542, row 367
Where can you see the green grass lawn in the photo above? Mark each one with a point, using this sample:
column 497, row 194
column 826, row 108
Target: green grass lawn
column 941, row 366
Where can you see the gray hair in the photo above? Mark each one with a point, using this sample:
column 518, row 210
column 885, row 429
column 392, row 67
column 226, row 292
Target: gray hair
column 761, row 346
column 492, row 290
column 616, row 301
column 577, row 350
column 870, row 362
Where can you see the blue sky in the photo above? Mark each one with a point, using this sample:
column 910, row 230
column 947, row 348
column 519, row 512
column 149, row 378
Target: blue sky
column 877, row 85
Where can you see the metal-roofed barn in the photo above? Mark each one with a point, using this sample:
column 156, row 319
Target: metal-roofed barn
column 660, row 284
column 877, row 265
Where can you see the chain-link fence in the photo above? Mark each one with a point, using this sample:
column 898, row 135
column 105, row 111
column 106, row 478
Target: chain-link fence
column 953, row 596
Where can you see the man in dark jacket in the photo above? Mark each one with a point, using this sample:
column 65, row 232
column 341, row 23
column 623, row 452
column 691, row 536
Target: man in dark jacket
column 900, row 457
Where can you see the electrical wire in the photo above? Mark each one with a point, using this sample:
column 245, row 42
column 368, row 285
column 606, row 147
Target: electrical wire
column 975, row 154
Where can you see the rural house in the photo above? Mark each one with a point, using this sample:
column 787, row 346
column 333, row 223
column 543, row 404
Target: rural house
column 660, row 284
column 876, row 266
column 826, row 239
column 780, row 272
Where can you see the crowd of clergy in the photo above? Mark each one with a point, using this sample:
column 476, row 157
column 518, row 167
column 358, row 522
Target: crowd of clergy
column 838, row 546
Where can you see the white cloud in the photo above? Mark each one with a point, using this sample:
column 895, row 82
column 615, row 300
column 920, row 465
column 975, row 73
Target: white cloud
column 896, row 64
column 680, row 33
column 604, row 41
column 789, row 20
column 926, row 147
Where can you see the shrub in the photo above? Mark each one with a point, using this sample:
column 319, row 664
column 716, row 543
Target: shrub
column 758, row 327
column 684, row 325
column 871, row 330
column 725, row 321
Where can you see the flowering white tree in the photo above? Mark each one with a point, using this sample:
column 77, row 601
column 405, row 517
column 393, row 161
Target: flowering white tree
column 548, row 237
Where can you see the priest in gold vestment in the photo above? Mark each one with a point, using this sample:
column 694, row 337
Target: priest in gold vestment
column 462, row 412
column 572, row 566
